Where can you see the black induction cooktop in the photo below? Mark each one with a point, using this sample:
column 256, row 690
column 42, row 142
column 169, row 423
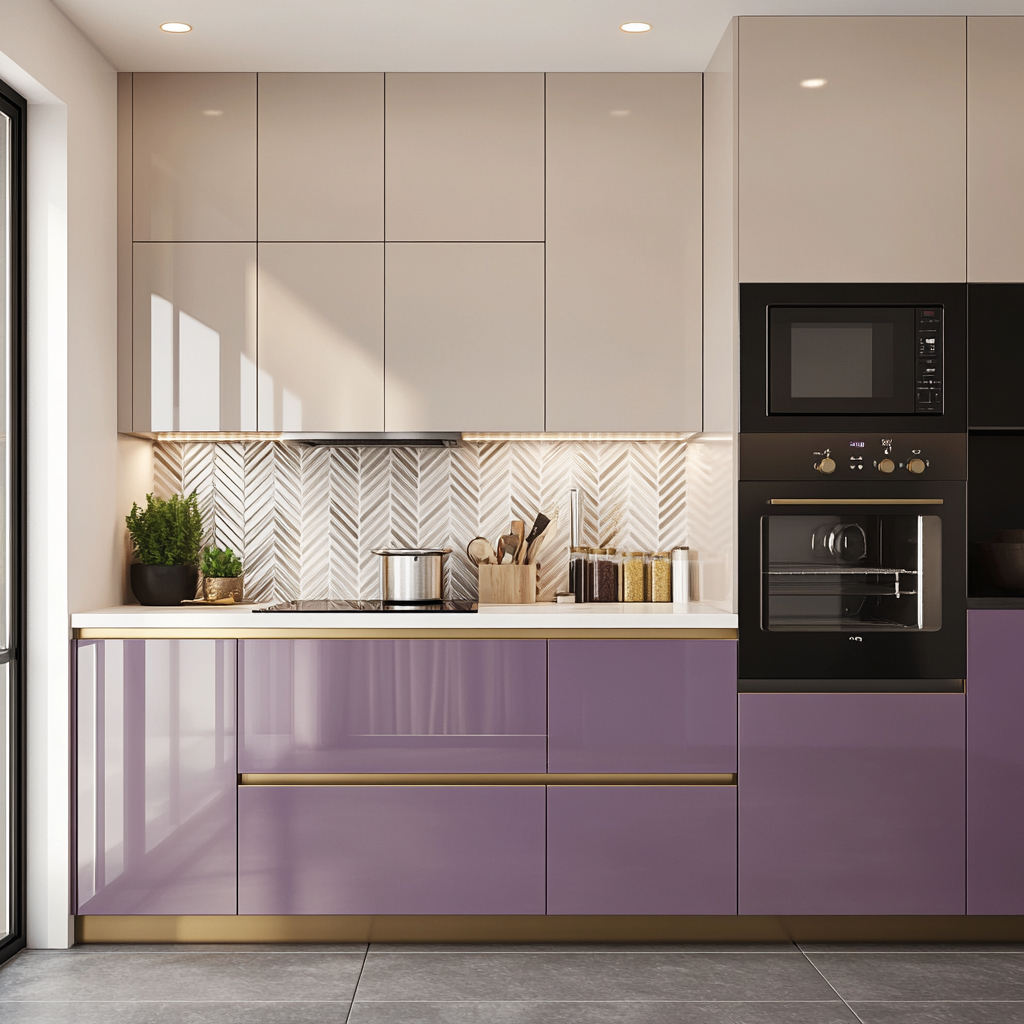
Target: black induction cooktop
column 369, row 606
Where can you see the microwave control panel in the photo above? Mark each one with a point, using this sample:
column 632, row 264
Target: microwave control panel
column 853, row 457
column 928, row 361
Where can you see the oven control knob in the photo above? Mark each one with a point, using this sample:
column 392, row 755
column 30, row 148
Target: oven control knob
column 916, row 465
column 826, row 466
column 886, row 466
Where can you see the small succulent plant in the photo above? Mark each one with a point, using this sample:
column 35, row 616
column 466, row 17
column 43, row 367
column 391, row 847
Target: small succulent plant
column 220, row 563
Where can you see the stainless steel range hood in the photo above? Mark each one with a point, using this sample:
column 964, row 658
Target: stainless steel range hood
column 396, row 439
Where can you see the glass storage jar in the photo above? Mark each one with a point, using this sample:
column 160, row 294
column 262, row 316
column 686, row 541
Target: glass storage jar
column 632, row 576
column 579, row 563
column 604, row 570
column 659, row 576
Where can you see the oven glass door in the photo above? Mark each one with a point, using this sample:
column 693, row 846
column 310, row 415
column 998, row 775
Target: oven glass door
column 836, row 361
column 841, row 571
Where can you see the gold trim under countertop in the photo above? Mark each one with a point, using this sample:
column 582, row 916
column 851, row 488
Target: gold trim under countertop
column 560, row 928
column 856, row 501
column 271, row 633
column 485, row 779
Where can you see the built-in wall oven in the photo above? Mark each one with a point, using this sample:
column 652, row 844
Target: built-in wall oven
column 852, row 567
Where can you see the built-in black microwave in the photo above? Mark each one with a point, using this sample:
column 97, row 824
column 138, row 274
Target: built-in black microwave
column 852, row 357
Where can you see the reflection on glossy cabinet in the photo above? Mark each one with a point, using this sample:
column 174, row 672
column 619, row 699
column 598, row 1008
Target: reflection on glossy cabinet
column 465, row 336
column 392, row 705
column 321, row 158
column 862, row 178
column 995, row 149
column 852, row 803
column 624, row 243
column 155, row 777
column 642, row 706
column 194, row 157
column 995, row 762
column 641, row 850
column 391, row 850
column 194, row 336
column 465, row 157
column 320, row 339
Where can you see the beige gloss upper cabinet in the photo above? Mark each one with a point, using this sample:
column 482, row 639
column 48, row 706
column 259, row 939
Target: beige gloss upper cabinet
column 995, row 149
column 623, row 252
column 465, row 336
column 863, row 178
column 464, row 157
column 194, row 157
column 321, row 157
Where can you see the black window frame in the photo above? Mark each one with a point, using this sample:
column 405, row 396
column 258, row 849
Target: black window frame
column 16, row 108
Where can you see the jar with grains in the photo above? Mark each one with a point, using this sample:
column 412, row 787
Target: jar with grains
column 659, row 576
column 604, row 568
column 632, row 576
column 579, row 559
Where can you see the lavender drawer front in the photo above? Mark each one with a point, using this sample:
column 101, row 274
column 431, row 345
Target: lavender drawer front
column 851, row 803
column 155, row 776
column 391, row 850
column 642, row 850
column 642, row 706
column 392, row 705
column 995, row 762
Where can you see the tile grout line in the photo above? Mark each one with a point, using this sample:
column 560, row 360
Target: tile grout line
column 829, row 983
column 355, row 988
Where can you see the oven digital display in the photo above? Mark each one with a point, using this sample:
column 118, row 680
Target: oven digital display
column 856, row 444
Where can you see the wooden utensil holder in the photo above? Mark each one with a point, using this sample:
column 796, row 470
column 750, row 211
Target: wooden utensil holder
column 508, row 584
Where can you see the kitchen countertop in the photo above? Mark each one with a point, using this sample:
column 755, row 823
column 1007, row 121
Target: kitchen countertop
column 589, row 620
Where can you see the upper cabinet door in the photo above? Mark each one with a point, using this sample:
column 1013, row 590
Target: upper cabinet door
column 194, row 336
column 320, row 340
column 862, row 178
column 321, row 158
column 194, row 157
column 995, row 149
column 464, row 329
column 623, row 252
column 464, row 157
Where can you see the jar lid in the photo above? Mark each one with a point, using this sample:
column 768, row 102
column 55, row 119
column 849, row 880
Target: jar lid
column 661, row 554
column 633, row 554
column 578, row 550
column 602, row 551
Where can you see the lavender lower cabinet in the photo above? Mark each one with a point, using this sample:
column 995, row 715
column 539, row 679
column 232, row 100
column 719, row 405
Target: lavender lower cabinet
column 995, row 762
column 392, row 705
column 641, row 849
column 852, row 803
column 391, row 850
column 155, row 777
column 642, row 706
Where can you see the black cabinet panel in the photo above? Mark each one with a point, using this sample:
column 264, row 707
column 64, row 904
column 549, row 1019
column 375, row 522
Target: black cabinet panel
column 995, row 355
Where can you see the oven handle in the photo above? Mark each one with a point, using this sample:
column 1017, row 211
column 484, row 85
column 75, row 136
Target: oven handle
column 855, row 501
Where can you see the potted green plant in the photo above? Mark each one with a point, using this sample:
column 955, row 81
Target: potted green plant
column 222, row 574
column 166, row 537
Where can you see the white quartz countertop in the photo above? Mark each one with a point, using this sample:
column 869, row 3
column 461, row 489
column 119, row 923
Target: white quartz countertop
column 526, row 617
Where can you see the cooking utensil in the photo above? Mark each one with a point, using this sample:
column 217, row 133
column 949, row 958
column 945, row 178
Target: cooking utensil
column 574, row 517
column 480, row 551
column 411, row 575
column 533, row 547
column 518, row 527
column 500, row 548
column 510, row 545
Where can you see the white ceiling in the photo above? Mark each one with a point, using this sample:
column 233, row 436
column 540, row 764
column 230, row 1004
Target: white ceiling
column 443, row 35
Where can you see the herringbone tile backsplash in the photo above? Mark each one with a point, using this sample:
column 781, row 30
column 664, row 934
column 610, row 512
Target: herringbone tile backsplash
column 304, row 520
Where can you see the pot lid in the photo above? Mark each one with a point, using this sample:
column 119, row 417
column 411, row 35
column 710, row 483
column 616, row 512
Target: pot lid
column 411, row 551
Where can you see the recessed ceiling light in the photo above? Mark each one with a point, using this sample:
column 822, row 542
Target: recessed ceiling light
column 813, row 83
column 619, row 113
column 212, row 113
column 635, row 26
column 175, row 26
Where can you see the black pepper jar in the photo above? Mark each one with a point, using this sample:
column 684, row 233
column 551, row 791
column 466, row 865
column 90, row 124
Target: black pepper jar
column 604, row 569
column 579, row 563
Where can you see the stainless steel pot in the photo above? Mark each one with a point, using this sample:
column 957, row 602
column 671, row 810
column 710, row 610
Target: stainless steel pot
column 411, row 575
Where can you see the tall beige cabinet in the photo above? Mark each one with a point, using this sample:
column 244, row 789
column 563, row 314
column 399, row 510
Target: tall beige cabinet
column 852, row 149
column 623, row 252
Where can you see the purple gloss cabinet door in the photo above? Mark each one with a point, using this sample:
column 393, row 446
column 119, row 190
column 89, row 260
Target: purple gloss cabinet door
column 852, row 803
column 391, row 850
column 392, row 705
column 641, row 849
column 995, row 762
column 155, row 777
column 642, row 706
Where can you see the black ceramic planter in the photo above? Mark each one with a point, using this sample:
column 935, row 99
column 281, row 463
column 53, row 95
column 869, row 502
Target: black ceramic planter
column 163, row 584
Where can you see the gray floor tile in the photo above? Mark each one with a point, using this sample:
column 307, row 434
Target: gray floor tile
column 940, row 1013
column 172, row 1013
column 591, row 976
column 923, row 976
column 583, row 947
column 912, row 947
column 181, row 976
column 601, row 1013
column 207, row 947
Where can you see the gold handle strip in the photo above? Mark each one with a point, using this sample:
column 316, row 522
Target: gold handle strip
column 486, row 779
column 855, row 501
column 339, row 633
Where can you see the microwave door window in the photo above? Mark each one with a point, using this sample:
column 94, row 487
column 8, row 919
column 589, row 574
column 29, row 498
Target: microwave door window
column 837, row 572
column 831, row 361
